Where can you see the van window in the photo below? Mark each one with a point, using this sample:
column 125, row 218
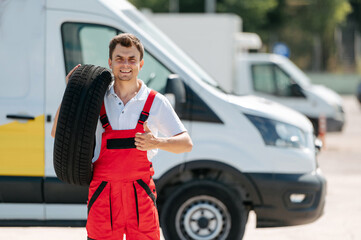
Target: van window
column 154, row 74
column 263, row 80
column 94, row 42
column 89, row 44
column 86, row 44
column 271, row 79
column 283, row 82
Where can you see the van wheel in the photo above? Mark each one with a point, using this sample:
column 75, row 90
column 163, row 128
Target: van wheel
column 203, row 210
column 77, row 122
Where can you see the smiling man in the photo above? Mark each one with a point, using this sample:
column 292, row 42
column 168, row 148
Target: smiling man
column 122, row 195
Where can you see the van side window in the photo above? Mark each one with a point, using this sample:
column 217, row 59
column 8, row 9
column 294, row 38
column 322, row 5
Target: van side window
column 271, row 79
column 263, row 78
column 154, row 74
column 89, row 44
column 283, row 82
column 86, row 44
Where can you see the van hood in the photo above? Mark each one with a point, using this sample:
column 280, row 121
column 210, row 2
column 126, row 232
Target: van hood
column 262, row 107
column 326, row 94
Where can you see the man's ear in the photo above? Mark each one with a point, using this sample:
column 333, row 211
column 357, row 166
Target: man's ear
column 141, row 64
column 110, row 63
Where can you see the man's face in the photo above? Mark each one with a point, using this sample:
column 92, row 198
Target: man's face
column 125, row 63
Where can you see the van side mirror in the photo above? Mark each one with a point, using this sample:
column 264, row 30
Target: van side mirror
column 318, row 145
column 296, row 90
column 176, row 93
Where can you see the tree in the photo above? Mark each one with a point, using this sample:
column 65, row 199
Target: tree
column 253, row 12
column 355, row 16
column 154, row 5
column 308, row 28
column 318, row 20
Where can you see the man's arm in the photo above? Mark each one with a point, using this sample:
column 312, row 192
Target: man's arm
column 176, row 144
column 53, row 130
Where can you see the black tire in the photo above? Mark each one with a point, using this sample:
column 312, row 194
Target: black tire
column 78, row 117
column 203, row 210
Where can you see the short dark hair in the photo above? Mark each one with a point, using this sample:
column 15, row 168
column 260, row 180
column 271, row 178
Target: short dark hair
column 126, row 40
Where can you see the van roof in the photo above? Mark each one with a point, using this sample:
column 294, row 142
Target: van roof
column 100, row 7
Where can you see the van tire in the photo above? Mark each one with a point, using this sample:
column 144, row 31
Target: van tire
column 196, row 209
column 77, row 122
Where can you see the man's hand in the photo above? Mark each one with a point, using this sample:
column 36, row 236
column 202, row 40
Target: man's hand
column 146, row 141
column 176, row 144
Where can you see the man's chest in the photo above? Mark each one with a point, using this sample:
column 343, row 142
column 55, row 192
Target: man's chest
column 122, row 116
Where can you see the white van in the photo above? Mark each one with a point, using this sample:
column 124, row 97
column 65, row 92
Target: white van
column 276, row 78
column 246, row 155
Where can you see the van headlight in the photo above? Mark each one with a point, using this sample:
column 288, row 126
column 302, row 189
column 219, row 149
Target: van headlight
column 279, row 134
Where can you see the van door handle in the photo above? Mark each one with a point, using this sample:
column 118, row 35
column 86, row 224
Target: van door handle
column 22, row 117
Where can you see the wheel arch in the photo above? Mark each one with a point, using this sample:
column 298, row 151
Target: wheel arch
column 240, row 183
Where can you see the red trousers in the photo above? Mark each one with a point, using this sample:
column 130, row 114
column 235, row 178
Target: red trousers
column 122, row 195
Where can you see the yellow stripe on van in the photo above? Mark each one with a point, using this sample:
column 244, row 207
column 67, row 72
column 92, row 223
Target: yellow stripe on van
column 22, row 148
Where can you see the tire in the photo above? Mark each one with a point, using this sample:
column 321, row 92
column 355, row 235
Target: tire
column 77, row 122
column 203, row 210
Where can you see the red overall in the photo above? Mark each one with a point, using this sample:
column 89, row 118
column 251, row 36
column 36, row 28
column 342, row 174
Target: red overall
column 122, row 192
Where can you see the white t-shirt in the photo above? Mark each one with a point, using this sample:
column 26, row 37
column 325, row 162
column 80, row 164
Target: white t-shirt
column 162, row 118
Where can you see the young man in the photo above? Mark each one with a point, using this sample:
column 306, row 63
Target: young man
column 122, row 195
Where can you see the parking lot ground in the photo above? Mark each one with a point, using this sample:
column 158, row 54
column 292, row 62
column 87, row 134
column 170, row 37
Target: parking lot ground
column 340, row 162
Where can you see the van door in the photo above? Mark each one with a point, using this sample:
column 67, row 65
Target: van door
column 21, row 107
column 93, row 40
column 68, row 44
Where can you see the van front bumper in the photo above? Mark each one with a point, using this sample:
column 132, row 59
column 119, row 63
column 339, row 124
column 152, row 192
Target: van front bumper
column 308, row 193
column 334, row 125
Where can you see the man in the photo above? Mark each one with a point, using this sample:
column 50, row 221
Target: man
column 122, row 196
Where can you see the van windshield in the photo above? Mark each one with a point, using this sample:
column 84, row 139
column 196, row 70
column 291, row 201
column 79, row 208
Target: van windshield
column 165, row 42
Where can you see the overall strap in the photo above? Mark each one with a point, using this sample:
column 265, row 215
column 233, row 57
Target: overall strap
column 148, row 104
column 104, row 119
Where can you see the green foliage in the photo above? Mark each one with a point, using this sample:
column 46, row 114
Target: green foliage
column 322, row 16
column 355, row 16
column 191, row 6
column 253, row 12
column 155, row 5
column 313, row 21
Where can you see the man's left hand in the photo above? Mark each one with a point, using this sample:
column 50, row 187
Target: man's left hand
column 146, row 141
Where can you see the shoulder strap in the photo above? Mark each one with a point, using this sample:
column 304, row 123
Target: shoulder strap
column 104, row 119
column 148, row 104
